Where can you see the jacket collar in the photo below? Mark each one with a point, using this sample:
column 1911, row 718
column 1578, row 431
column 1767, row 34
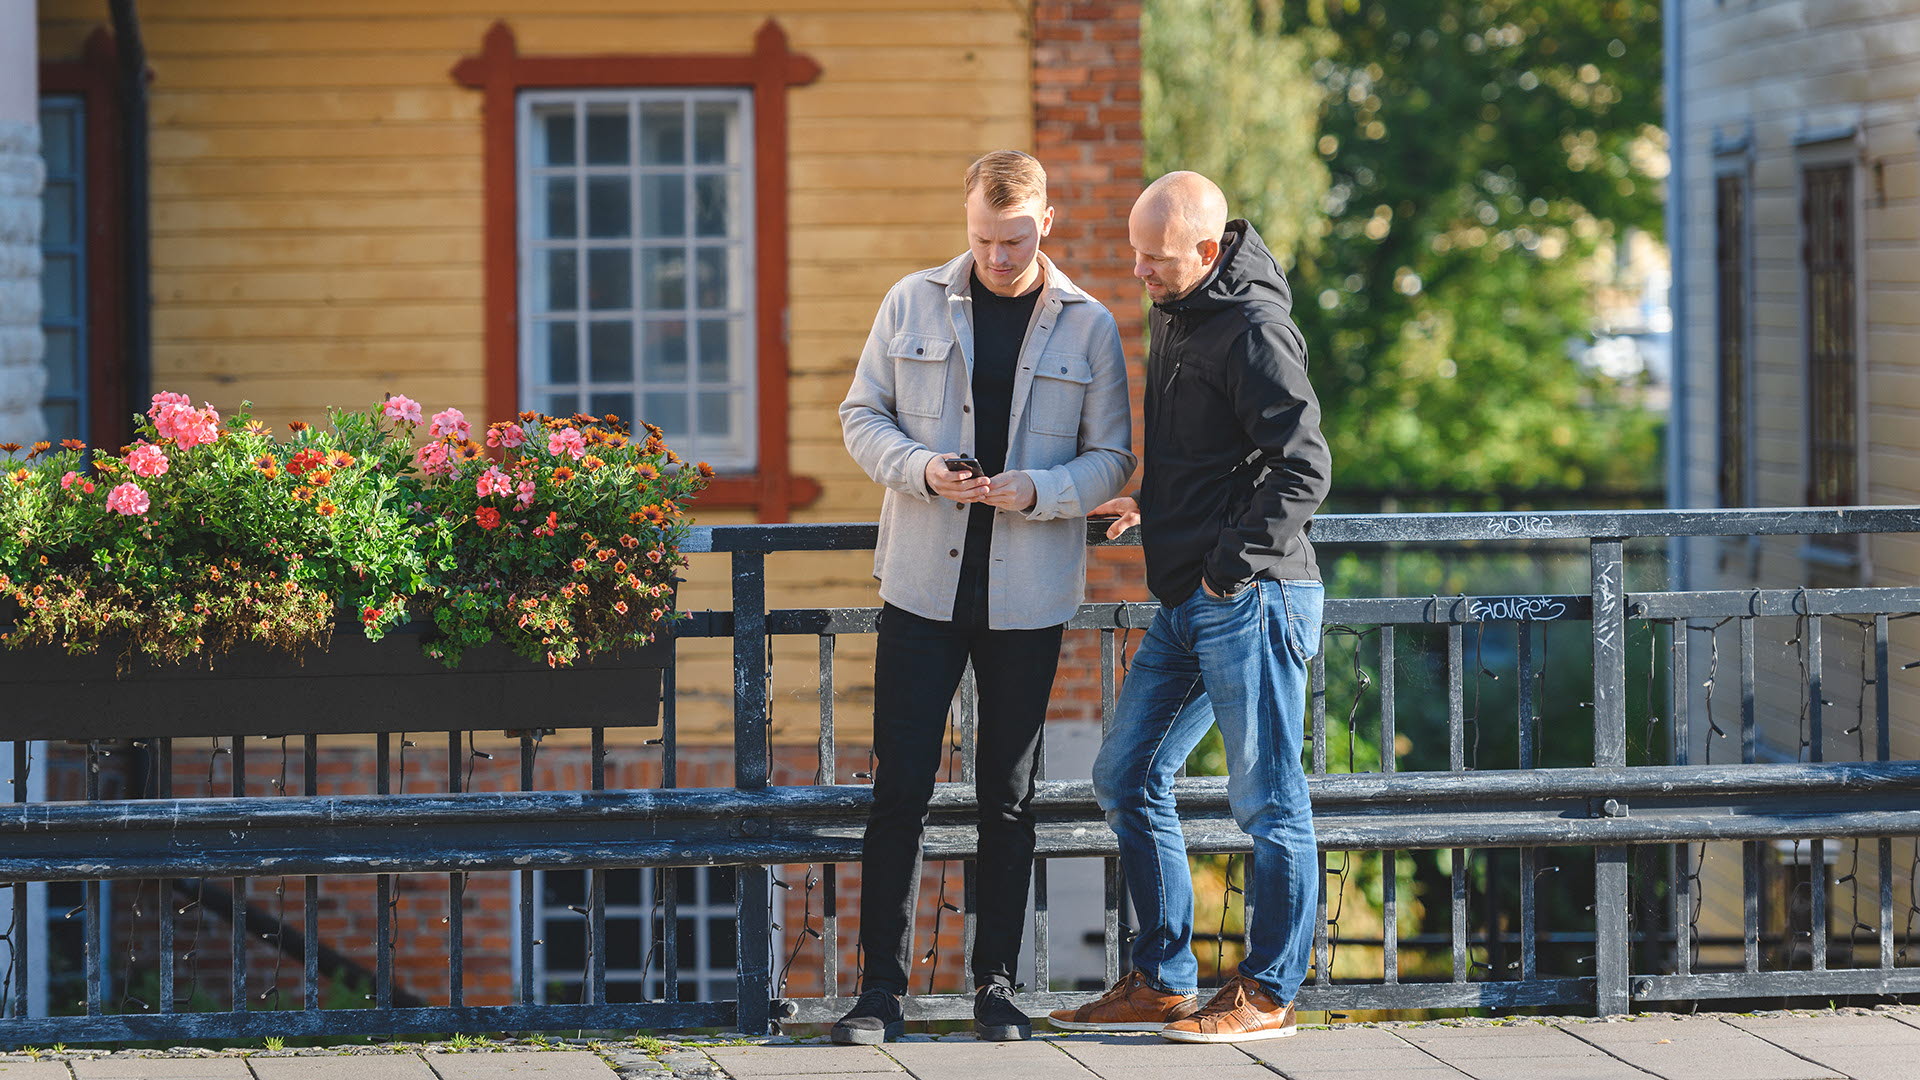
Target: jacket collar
column 957, row 278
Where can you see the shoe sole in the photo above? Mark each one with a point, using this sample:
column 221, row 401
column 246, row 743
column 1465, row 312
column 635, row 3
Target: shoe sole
column 1076, row 1025
column 1237, row 1037
column 1002, row 1032
column 866, row 1036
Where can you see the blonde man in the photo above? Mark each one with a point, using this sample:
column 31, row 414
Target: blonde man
column 991, row 403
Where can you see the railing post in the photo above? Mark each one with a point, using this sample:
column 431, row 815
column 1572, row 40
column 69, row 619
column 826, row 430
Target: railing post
column 1611, row 944
column 753, row 900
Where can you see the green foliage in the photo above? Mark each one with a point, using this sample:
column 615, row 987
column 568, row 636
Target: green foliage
column 1255, row 88
column 1476, row 153
column 204, row 535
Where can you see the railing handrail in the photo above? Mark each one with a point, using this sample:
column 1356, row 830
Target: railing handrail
column 1408, row 528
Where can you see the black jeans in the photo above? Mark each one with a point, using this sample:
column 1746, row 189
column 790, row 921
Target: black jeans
column 916, row 671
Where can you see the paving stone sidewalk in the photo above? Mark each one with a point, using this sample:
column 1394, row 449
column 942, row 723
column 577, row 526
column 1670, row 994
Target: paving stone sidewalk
column 1848, row 1044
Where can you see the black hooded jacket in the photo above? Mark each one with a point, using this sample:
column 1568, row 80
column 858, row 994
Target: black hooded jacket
column 1235, row 462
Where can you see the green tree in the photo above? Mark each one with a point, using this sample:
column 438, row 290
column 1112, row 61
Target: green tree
column 1476, row 152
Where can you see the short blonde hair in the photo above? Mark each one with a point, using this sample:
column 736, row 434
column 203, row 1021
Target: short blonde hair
column 1007, row 178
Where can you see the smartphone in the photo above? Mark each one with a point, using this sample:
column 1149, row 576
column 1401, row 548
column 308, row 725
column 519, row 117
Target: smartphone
column 968, row 465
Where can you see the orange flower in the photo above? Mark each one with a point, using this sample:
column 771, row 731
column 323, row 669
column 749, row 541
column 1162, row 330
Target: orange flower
column 73, row 444
column 579, row 565
column 620, row 606
column 629, row 541
column 604, row 554
column 20, row 476
column 268, row 465
column 592, row 463
column 320, row 478
column 529, row 417
column 302, row 493
column 620, row 567
column 562, row 474
column 646, row 472
column 340, row 459
column 654, row 515
column 470, row 451
column 296, row 426
column 326, row 508
column 39, row 448
column 9, row 447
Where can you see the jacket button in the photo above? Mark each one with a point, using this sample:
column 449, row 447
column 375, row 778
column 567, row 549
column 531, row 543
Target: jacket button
column 1063, row 371
column 955, row 553
column 966, row 408
column 919, row 352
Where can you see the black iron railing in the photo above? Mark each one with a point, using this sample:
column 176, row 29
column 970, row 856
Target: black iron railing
column 1615, row 831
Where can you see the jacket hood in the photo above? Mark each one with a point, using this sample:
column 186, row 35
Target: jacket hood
column 1247, row 273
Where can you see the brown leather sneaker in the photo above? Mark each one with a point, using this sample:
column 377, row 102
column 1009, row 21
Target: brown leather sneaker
column 1240, row 1012
column 1134, row 1004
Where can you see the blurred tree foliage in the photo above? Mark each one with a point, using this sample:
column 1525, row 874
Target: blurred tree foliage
column 1438, row 174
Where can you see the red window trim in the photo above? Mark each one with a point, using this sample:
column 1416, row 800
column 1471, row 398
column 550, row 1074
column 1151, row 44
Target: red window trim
column 500, row 71
column 94, row 77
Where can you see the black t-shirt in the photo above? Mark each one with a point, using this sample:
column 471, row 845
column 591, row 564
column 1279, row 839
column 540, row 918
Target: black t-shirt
column 999, row 330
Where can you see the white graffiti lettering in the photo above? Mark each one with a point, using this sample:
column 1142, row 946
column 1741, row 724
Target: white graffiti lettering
column 1521, row 525
column 1516, row 607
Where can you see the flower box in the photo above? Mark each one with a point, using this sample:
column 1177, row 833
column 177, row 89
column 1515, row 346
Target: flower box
column 207, row 578
column 353, row 686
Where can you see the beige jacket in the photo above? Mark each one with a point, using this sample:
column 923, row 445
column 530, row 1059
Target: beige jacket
column 1071, row 431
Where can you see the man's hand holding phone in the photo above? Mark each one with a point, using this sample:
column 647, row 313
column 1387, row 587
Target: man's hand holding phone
column 957, row 477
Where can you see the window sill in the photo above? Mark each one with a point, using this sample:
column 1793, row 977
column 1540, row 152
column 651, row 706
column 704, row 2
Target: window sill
column 771, row 496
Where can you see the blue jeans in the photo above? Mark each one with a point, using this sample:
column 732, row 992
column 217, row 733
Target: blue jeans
column 1241, row 663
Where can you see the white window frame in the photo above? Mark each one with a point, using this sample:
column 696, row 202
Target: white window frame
column 741, row 453
column 709, row 982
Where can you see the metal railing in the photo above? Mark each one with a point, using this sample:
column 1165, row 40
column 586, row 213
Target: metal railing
column 1636, row 840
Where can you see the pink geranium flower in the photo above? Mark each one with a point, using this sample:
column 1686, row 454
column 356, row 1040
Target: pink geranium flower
column 526, row 494
column 507, row 435
column 128, row 499
column 432, row 459
column 147, row 460
column 178, row 422
column 451, row 422
column 401, row 407
column 567, row 441
column 67, row 480
column 493, row 482
column 163, row 400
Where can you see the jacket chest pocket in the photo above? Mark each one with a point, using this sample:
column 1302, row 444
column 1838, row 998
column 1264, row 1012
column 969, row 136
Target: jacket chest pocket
column 919, row 373
column 1059, row 393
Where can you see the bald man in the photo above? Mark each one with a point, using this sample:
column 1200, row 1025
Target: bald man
column 1235, row 468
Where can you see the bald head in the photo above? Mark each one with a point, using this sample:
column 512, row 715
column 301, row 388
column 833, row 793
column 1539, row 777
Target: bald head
column 1176, row 228
column 1187, row 203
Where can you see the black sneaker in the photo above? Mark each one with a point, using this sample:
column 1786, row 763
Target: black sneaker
column 996, row 1018
column 874, row 1019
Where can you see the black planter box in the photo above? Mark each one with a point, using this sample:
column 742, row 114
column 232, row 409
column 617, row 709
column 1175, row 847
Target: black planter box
column 355, row 686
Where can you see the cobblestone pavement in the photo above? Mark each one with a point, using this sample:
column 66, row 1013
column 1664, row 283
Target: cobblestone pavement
column 1847, row 1044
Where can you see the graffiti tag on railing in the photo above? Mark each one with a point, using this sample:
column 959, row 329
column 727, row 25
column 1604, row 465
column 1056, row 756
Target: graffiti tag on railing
column 1515, row 607
column 1520, row 525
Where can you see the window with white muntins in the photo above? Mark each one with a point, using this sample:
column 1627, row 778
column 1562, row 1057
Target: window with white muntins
column 635, row 262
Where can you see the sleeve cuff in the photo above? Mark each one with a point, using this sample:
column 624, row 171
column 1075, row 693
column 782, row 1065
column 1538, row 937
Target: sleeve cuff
column 1046, row 495
column 917, row 474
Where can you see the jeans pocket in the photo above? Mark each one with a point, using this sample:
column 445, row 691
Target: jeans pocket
column 1304, row 602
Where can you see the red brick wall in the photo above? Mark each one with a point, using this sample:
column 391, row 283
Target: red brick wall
column 1086, row 131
